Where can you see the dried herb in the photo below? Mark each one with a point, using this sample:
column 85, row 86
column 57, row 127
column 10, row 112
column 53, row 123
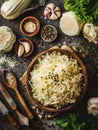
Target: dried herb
column 91, row 52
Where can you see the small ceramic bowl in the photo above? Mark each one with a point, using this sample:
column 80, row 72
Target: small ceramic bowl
column 29, row 26
column 20, row 42
column 49, row 33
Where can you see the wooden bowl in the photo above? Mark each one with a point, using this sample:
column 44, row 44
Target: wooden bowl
column 68, row 51
column 49, row 33
column 24, row 40
column 29, row 19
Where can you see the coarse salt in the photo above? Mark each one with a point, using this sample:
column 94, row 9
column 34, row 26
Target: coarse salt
column 6, row 61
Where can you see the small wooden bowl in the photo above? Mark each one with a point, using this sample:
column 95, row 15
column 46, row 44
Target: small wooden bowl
column 24, row 40
column 27, row 19
column 49, row 33
column 68, row 51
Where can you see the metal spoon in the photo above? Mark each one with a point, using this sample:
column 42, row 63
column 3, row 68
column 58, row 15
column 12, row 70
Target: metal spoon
column 10, row 80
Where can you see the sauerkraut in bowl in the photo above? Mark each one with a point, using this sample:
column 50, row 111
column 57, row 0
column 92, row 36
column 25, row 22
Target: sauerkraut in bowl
column 56, row 80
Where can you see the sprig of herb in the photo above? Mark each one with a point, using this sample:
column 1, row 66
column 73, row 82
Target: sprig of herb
column 86, row 10
column 71, row 122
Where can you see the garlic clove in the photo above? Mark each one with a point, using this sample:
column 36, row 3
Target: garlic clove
column 93, row 106
column 27, row 46
column 21, row 50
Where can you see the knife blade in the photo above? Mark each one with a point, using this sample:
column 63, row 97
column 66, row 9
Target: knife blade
column 5, row 111
column 22, row 119
column 7, row 96
column 3, row 108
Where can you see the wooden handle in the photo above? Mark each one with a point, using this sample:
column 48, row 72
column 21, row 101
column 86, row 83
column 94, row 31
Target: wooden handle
column 14, row 124
column 29, row 114
column 23, row 120
column 23, row 79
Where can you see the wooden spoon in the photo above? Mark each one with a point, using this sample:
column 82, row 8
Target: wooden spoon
column 10, row 80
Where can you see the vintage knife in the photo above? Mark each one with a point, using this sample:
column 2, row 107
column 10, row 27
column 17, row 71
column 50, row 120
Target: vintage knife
column 22, row 119
column 5, row 111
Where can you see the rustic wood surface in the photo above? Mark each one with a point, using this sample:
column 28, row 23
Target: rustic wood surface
column 19, row 69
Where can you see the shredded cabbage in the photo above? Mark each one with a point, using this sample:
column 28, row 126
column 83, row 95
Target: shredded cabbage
column 56, row 80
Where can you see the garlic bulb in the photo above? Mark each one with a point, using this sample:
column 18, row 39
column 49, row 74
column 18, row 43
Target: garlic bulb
column 52, row 11
column 93, row 106
column 90, row 32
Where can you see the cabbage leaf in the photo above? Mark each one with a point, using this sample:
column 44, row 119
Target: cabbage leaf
column 86, row 10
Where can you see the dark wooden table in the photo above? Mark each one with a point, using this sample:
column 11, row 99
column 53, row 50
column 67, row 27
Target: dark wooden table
column 22, row 63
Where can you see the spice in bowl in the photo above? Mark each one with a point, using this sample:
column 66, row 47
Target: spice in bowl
column 24, row 47
column 9, row 78
column 49, row 33
column 29, row 26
